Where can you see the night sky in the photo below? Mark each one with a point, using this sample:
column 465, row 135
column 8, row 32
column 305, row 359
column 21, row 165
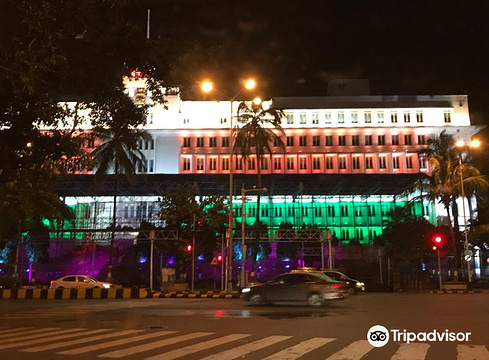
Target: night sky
column 294, row 48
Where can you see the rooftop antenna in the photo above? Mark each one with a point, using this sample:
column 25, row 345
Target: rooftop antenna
column 147, row 23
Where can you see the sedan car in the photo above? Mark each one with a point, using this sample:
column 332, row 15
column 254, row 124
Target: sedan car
column 354, row 286
column 78, row 282
column 315, row 288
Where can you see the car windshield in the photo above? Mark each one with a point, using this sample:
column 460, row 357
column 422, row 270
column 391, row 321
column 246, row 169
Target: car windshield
column 92, row 279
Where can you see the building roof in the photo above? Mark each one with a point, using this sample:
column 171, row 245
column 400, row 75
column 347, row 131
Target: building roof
column 365, row 102
column 311, row 184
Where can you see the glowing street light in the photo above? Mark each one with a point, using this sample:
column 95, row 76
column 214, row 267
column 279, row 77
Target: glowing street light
column 460, row 144
column 207, row 86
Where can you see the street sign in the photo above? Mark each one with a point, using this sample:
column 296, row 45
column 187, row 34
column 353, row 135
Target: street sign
column 214, row 261
column 468, row 257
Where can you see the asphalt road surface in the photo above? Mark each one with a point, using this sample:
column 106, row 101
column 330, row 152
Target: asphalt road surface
column 232, row 329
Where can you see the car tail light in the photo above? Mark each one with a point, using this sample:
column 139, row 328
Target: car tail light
column 51, row 283
column 336, row 286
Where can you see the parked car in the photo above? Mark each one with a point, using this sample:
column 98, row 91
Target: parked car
column 78, row 282
column 314, row 288
column 354, row 286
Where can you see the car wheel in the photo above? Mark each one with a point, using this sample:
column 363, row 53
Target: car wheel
column 256, row 299
column 352, row 291
column 60, row 287
column 96, row 287
column 315, row 300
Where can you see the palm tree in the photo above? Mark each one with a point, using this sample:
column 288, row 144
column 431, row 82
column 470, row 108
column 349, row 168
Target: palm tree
column 118, row 151
column 444, row 182
column 261, row 129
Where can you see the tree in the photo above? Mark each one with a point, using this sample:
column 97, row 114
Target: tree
column 406, row 237
column 180, row 205
column 443, row 183
column 261, row 130
column 51, row 51
column 118, row 150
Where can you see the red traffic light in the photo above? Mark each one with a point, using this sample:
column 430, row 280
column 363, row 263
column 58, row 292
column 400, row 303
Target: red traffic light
column 188, row 248
column 219, row 258
column 437, row 239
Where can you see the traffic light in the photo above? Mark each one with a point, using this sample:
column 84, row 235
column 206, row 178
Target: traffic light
column 437, row 240
column 188, row 248
column 219, row 257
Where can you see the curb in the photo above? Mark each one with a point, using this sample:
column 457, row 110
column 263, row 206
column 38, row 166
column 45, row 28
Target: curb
column 198, row 295
column 73, row 294
column 458, row 291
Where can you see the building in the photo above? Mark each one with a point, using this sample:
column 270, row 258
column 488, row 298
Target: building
column 347, row 163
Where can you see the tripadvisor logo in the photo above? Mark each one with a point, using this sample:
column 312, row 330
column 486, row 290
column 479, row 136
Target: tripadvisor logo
column 378, row 336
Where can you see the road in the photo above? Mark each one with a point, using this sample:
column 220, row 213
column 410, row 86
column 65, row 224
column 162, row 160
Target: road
column 230, row 328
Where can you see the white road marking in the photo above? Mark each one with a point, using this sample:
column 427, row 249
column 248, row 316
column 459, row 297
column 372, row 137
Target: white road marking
column 300, row 349
column 28, row 333
column 12, row 342
column 472, row 352
column 83, row 340
column 354, row 351
column 74, row 332
column 14, row 330
column 105, row 345
column 174, row 354
column 154, row 345
column 247, row 348
column 412, row 351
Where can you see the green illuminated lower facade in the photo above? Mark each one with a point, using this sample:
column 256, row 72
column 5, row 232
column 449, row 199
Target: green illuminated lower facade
column 359, row 218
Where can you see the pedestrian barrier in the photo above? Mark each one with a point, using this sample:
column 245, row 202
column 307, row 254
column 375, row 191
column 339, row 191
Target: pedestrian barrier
column 67, row 294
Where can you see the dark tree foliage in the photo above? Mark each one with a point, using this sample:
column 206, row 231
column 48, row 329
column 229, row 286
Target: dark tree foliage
column 407, row 238
column 178, row 208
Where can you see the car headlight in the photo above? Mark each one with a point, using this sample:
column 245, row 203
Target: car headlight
column 107, row 286
column 245, row 290
column 360, row 284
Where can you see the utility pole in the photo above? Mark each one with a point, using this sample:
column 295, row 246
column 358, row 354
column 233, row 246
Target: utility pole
column 151, row 247
column 193, row 254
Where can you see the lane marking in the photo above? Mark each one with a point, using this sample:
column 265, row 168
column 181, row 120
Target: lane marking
column 153, row 345
column 170, row 355
column 22, row 338
column 81, row 341
column 14, row 330
column 247, row 348
column 26, row 333
column 354, row 351
column 412, row 351
column 472, row 352
column 108, row 344
column 74, row 332
column 300, row 349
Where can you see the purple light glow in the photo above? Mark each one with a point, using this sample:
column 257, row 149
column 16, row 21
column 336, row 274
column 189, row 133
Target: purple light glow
column 171, row 261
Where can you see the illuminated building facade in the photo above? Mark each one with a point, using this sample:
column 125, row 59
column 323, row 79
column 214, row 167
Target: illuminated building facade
column 347, row 162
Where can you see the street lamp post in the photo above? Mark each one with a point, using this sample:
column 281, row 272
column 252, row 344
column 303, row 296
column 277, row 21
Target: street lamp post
column 207, row 86
column 461, row 145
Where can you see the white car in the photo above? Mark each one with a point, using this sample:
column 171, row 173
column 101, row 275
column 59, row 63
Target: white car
column 78, row 282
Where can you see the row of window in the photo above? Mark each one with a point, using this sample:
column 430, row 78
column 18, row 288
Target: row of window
column 328, row 211
column 343, row 162
column 354, row 117
column 366, row 116
column 318, row 140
